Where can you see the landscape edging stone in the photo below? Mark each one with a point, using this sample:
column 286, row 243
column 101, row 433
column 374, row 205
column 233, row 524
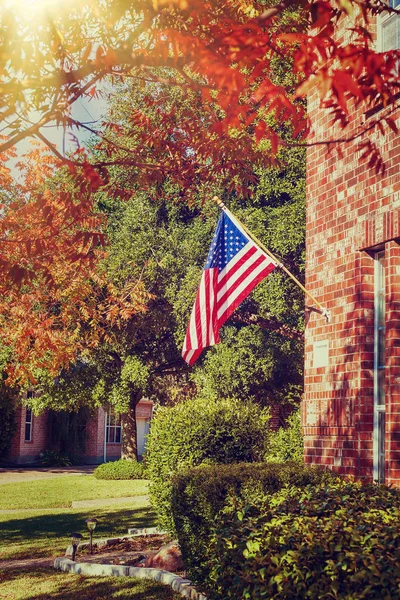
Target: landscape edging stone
column 179, row 584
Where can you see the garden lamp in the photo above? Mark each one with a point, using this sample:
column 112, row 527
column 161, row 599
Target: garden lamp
column 91, row 524
column 75, row 539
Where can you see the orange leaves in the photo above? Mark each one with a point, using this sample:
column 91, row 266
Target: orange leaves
column 53, row 303
column 181, row 4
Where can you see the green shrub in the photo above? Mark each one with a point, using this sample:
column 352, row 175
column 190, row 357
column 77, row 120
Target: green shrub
column 287, row 443
column 53, row 458
column 120, row 469
column 199, row 431
column 200, row 493
column 338, row 540
column 7, row 418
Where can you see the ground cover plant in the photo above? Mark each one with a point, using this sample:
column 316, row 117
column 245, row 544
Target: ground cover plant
column 60, row 492
column 43, row 584
column 120, row 470
column 338, row 540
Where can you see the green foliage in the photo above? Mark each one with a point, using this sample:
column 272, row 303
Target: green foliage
column 8, row 398
column 54, row 458
column 120, row 469
column 336, row 539
column 287, row 443
column 7, row 421
column 197, row 431
column 200, row 493
column 68, row 431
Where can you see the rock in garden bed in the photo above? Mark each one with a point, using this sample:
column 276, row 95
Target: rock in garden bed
column 157, row 551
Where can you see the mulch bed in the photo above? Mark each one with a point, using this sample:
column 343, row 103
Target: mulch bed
column 129, row 552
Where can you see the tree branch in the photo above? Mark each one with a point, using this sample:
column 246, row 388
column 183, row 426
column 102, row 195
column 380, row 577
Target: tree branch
column 268, row 324
column 274, row 10
column 347, row 139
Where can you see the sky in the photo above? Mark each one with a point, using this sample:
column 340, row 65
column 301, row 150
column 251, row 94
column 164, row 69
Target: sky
column 90, row 112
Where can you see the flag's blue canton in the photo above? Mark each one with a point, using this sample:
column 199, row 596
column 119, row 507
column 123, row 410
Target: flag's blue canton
column 228, row 241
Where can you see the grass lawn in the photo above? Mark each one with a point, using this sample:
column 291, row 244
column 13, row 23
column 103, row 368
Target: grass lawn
column 45, row 584
column 41, row 528
column 62, row 491
column 36, row 534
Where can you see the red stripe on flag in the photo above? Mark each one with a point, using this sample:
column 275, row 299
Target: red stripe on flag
column 246, row 291
column 249, row 268
column 251, row 251
column 214, row 312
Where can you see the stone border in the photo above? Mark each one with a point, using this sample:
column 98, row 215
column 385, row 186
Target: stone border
column 179, row 584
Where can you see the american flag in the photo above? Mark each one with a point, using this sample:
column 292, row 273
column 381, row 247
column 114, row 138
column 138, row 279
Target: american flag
column 234, row 266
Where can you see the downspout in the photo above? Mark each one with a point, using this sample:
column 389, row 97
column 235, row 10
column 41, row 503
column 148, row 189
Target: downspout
column 105, row 438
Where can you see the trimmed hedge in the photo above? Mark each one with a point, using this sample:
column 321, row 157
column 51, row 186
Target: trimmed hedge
column 337, row 539
column 120, row 469
column 200, row 431
column 200, row 493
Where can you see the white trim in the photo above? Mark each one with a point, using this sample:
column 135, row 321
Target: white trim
column 381, row 21
column 379, row 408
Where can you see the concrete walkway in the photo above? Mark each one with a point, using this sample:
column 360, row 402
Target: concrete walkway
column 100, row 502
column 17, row 474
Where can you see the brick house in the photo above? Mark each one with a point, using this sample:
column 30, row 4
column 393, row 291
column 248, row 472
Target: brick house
column 351, row 407
column 101, row 435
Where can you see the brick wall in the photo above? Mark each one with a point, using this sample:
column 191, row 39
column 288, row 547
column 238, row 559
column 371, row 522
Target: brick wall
column 350, row 210
column 23, row 451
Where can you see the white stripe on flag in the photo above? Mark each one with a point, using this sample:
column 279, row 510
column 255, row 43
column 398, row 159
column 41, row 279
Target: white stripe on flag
column 242, row 269
column 239, row 289
column 202, row 306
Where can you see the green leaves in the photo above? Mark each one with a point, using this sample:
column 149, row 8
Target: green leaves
column 197, row 431
column 332, row 539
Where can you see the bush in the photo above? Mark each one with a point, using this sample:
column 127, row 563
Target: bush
column 338, row 540
column 52, row 458
column 200, row 493
column 120, row 469
column 7, row 418
column 287, row 443
column 198, row 431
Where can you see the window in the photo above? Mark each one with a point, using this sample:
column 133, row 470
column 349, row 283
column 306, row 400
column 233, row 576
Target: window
column 389, row 29
column 113, row 427
column 28, row 425
column 379, row 366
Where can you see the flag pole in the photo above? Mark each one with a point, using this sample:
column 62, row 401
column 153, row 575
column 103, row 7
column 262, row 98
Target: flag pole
column 324, row 312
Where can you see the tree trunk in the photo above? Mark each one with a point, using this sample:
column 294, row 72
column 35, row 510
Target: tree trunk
column 129, row 430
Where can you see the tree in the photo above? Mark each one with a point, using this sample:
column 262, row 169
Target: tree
column 54, row 303
column 225, row 55
column 228, row 58
column 165, row 244
column 225, row 52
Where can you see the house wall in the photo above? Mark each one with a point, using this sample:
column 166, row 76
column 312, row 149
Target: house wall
column 22, row 452
column 95, row 451
column 350, row 210
column 25, row 452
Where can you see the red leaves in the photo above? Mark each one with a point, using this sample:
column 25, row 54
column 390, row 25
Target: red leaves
column 53, row 302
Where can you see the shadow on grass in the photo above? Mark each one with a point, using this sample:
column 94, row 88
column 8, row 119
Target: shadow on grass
column 43, row 584
column 37, row 536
